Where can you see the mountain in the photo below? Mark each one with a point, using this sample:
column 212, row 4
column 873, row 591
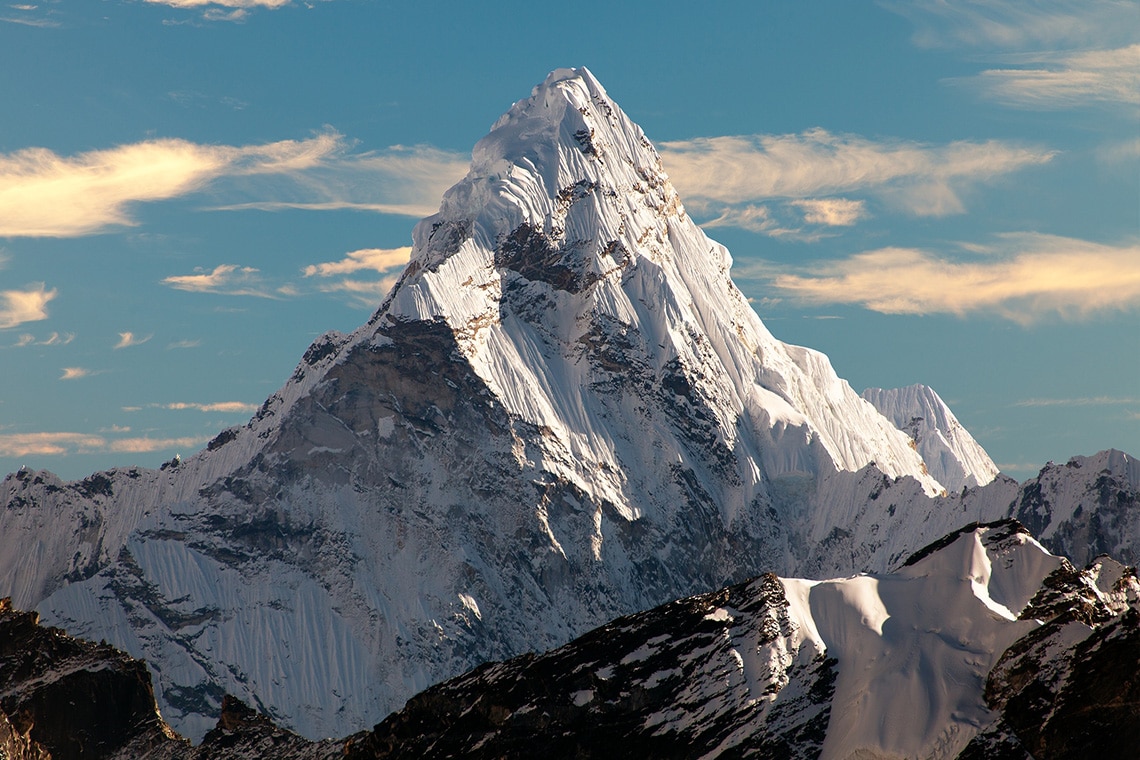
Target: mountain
column 982, row 645
column 563, row 412
column 950, row 453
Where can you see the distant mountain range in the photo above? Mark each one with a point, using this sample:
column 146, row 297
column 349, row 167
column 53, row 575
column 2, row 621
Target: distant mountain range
column 564, row 412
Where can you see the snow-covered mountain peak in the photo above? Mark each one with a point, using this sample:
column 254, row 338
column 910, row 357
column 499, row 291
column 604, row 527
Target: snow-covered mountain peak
column 565, row 262
column 951, row 454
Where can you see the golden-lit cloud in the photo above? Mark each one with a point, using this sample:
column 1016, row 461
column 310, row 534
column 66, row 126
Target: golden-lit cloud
column 20, row 306
column 1065, row 80
column 401, row 180
column 924, row 180
column 831, row 212
column 225, row 407
column 74, row 373
column 53, row 339
column 1081, row 401
column 48, row 444
column 127, row 339
column 1024, row 278
column 43, row 194
column 375, row 259
column 65, row 443
column 221, row 3
column 224, row 279
column 362, row 293
column 1017, row 25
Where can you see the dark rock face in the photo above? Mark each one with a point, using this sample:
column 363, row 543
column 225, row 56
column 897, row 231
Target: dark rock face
column 661, row 683
column 66, row 698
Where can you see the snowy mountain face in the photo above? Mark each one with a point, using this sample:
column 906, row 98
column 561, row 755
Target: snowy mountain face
column 564, row 412
column 951, row 454
column 931, row 661
column 982, row 645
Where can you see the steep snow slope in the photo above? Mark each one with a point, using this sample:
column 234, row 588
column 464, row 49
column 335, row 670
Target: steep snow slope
column 564, row 411
column 951, row 454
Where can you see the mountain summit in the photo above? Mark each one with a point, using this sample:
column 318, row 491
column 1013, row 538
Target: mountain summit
column 563, row 412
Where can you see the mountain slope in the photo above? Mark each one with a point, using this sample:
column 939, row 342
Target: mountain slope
column 563, row 412
column 873, row 666
column 950, row 453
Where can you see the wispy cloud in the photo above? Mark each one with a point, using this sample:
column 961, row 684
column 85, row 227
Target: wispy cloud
column 53, row 339
column 364, row 293
column 64, row 443
column 27, row 14
column 184, row 344
column 1024, row 278
column 733, row 176
column 401, row 180
column 222, row 10
column 43, row 194
column 48, row 444
column 1081, row 401
column 1067, row 53
column 74, row 373
column 1018, row 25
column 224, row 279
column 375, row 259
column 20, row 306
column 831, row 212
column 227, row 407
column 1064, row 80
column 127, row 339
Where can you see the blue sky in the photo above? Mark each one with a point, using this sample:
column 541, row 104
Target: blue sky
column 933, row 191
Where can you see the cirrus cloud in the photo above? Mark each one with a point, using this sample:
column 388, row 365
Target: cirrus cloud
column 1024, row 278
column 64, row 443
column 20, row 306
column 127, row 339
column 226, row 407
column 43, row 194
column 224, row 279
column 1064, row 80
column 921, row 179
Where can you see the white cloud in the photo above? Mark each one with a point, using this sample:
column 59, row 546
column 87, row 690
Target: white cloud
column 184, row 344
column 921, row 179
column 74, row 373
column 402, row 180
column 227, row 407
column 365, row 294
column 20, row 306
column 221, row 3
column 222, row 10
column 224, row 279
column 362, row 293
column 375, row 259
column 1081, row 401
column 65, row 443
column 43, row 194
column 831, row 212
column 1065, row 80
column 53, row 339
column 1024, row 278
column 127, row 339
column 47, row 444
column 146, row 444
column 1016, row 24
